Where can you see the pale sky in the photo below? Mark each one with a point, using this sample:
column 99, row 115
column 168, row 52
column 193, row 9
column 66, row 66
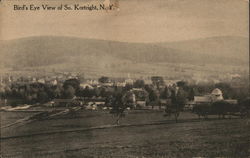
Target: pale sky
column 136, row 21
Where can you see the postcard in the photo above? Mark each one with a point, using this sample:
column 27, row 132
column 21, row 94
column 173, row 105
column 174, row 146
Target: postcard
column 124, row 78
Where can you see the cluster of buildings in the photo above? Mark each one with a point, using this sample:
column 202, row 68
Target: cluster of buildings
column 136, row 97
column 59, row 78
column 214, row 96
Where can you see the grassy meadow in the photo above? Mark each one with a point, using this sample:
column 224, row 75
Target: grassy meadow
column 140, row 134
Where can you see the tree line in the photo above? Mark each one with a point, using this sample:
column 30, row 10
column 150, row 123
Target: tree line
column 119, row 98
column 30, row 93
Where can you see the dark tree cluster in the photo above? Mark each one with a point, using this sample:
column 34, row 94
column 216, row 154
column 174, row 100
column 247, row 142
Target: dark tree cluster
column 32, row 93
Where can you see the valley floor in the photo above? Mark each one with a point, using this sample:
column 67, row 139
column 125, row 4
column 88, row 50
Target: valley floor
column 141, row 134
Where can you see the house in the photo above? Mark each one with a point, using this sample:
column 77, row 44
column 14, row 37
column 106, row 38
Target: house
column 202, row 99
column 97, row 101
column 120, row 84
column 91, row 106
column 139, row 97
column 92, row 82
column 129, row 81
column 53, row 82
column 216, row 95
column 84, row 85
column 41, row 80
column 107, row 84
column 140, row 103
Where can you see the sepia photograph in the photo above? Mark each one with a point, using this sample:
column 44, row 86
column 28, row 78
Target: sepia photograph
column 124, row 79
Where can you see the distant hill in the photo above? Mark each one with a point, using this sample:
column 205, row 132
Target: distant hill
column 93, row 54
column 223, row 46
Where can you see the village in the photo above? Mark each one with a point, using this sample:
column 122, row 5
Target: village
column 72, row 89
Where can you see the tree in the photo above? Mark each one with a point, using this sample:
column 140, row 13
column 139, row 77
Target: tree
column 42, row 97
column 245, row 107
column 221, row 108
column 106, row 92
column 191, row 93
column 128, row 87
column 139, row 84
column 153, row 97
column 87, row 92
column 181, row 98
column 69, row 92
column 104, row 79
column 118, row 107
column 178, row 98
column 157, row 81
column 73, row 83
column 181, row 84
column 57, row 91
column 166, row 93
column 120, row 101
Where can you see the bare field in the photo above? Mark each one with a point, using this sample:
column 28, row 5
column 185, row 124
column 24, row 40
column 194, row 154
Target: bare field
column 151, row 135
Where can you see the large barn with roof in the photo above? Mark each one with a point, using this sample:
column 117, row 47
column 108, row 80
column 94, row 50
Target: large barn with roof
column 215, row 95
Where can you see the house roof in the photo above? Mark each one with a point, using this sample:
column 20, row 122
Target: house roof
column 84, row 85
column 202, row 99
column 216, row 91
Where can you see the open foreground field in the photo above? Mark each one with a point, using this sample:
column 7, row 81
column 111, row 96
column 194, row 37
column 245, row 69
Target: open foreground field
column 141, row 134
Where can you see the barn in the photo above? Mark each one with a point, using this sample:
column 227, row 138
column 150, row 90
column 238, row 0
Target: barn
column 214, row 96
